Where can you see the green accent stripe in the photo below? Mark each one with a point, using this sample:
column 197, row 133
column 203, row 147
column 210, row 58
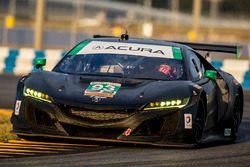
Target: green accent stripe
column 79, row 47
column 177, row 53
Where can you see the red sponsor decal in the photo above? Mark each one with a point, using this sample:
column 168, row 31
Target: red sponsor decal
column 188, row 119
column 127, row 132
column 17, row 107
column 167, row 70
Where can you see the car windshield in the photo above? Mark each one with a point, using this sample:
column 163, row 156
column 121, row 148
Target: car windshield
column 125, row 66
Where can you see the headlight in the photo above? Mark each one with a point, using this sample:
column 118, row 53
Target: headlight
column 37, row 95
column 176, row 103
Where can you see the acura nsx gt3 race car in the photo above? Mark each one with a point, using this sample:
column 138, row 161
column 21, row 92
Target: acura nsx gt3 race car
column 131, row 90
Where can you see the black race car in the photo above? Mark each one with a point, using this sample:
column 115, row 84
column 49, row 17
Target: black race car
column 131, row 91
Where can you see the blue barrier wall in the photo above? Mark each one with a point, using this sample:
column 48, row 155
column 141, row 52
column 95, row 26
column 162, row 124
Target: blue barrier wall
column 21, row 61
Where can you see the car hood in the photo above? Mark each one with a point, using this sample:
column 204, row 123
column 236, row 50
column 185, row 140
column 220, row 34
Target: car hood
column 69, row 89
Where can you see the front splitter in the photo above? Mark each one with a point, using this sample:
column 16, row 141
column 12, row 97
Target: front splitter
column 156, row 144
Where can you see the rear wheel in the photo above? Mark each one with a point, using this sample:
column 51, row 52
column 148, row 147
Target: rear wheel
column 199, row 123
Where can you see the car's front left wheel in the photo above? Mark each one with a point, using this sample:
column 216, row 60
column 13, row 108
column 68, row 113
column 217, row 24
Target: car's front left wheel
column 199, row 123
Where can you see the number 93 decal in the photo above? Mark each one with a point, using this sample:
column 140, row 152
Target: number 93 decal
column 102, row 89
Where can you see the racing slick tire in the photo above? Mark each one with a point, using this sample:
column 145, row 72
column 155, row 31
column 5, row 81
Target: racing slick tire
column 199, row 123
column 237, row 116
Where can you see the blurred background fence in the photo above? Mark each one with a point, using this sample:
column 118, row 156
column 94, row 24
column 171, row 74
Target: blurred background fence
column 31, row 29
column 63, row 23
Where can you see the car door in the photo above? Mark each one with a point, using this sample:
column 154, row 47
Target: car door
column 197, row 74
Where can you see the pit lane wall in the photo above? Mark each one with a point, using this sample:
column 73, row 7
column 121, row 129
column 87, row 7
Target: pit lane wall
column 21, row 61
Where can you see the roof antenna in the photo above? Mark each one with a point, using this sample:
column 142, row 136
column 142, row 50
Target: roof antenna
column 125, row 36
column 207, row 55
column 126, row 32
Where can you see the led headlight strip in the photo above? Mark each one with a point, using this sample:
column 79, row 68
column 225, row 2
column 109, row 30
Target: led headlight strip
column 177, row 103
column 37, row 95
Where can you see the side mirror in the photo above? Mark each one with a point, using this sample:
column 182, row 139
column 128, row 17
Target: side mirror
column 40, row 62
column 211, row 74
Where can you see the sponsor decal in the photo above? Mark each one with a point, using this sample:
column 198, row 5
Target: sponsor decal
column 97, row 98
column 167, row 70
column 17, row 107
column 128, row 132
column 227, row 132
column 100, row 47
column 102, row 89
column 188, row 121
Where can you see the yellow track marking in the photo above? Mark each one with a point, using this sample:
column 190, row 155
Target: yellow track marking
column 6, row 112
column 38, row 145
column 26, row 151
column 47, row 143
column 33, row 148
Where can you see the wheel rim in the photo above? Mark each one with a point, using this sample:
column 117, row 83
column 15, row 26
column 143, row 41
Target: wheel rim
column 236, row 114
column 199, row 123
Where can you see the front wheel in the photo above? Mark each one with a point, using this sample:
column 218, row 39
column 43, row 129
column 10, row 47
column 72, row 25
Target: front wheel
column 199, row 123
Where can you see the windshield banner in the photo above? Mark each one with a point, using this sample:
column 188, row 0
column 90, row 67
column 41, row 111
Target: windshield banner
column 99, row 47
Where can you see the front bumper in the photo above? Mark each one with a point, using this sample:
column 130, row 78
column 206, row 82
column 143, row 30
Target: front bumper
column 55, row 120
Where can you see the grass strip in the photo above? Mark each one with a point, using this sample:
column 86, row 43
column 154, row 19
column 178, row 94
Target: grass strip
column 5, row 126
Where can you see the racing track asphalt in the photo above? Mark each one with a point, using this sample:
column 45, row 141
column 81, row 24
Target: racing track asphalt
column 217, row 154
